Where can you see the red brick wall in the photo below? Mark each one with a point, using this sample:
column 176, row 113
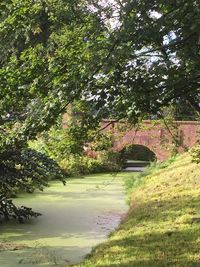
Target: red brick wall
column 155, row 136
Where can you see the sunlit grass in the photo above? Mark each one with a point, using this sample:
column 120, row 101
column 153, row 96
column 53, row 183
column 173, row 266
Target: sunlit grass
column 163, row 224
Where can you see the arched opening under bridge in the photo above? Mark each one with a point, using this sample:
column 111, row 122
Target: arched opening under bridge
column 135, row 157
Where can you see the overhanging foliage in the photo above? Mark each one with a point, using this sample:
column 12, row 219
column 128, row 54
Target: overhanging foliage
column 128, row 58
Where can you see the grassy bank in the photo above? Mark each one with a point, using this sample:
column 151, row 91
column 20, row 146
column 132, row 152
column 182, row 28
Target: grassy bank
column 163, row 224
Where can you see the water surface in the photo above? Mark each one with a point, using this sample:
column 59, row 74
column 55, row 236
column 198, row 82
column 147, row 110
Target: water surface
column 76, row 217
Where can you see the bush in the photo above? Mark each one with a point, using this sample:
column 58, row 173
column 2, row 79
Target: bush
column 94, row 165
column 110, row 160
column 74, row 165
column 57, row 144
column 61, row 146
column 77, row 165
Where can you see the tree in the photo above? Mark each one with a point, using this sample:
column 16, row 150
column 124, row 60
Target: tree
column 154, row 58
column 128, row 58
column 45, row 61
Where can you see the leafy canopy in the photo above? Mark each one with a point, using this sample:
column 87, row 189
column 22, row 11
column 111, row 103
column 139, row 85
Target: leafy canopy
column 126, row 58
column 45, row 61
column 154, row 58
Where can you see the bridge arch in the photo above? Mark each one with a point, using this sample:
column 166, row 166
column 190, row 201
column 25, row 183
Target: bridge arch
column 138, row 152
column 154, row 135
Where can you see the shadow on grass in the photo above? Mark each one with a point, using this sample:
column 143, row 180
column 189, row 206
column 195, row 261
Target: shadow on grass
column 158, row 263
column 163, row 233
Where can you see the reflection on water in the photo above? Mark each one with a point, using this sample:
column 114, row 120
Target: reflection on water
column 136, row 165
column 135, row 169
column 75, row 218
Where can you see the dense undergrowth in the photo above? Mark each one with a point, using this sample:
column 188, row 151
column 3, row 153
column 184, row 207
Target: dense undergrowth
column 67, row 151
column 55, row 155
column 162, row 227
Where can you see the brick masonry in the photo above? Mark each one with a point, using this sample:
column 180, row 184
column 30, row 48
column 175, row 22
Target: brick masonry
column 155, row 136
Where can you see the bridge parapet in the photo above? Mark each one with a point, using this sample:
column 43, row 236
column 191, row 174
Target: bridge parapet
column 161, row 139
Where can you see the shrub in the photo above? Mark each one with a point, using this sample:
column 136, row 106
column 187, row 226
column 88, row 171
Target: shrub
column 59, row 145
column 73, row 165
column 94, row 165
column 77, row 165
column 110, row 160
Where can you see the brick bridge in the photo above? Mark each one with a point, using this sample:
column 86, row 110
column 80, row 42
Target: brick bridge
column 160, row 138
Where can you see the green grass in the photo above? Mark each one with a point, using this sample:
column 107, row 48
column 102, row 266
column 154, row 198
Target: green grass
column 162, row 227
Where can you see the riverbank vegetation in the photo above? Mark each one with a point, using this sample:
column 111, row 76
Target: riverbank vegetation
column 67, row 149
column 163, row 224
column 54, row 53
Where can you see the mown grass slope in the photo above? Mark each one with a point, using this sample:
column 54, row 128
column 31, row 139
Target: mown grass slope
column 163, row 224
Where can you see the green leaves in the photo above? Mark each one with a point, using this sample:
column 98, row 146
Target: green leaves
column 56, row 52
column 9, row 211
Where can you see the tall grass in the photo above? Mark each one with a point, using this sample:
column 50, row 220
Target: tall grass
column 162, row 227
column 134, row 180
